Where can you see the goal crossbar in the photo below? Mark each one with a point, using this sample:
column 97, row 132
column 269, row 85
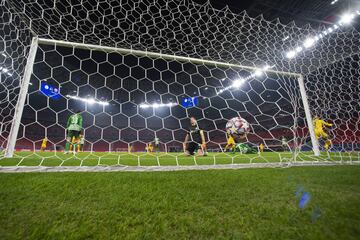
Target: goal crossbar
column 149, row 54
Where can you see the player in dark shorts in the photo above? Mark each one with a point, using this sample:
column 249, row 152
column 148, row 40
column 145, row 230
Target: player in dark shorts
column 194, row 140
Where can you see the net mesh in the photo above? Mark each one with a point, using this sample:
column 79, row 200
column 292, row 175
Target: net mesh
column 119, row 133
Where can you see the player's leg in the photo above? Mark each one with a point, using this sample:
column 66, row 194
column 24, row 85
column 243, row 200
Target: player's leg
column 327, row 144
column 75, row 140
column 317, row 133
column 325, row 136
column 191, row 148
column 203, row 149
column 69, row 135
column 79, row 146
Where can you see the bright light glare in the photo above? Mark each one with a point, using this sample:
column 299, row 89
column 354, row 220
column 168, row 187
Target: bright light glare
column 3, row 54
column 286, row 38
column 258, row 73
column 238, row 83
column 290, row 54
column 298, row 49
column 88, row 100
column 156, row 105
column 309, row 42
column 346, row 18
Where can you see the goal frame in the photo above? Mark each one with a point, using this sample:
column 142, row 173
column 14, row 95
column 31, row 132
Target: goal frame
column 24, row 84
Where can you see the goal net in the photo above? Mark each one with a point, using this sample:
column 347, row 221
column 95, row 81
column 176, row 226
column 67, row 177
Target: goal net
column 136, row 71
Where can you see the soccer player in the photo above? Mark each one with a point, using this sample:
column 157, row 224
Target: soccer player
column 73, row 129
column 157, row 144
column 245, row 148
column 230, row 143
column 81, row 142
column 43, row 144
column 149, row 147
column 261, row 147
column 194, row 140
column 284, row 143
column 320, row 133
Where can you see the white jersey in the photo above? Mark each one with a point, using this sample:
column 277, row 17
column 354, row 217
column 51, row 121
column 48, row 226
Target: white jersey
column 82, row 140
column 157, row 141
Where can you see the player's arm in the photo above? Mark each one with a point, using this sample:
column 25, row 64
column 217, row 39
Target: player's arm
column 326, row 124
column 202, row 135
column 68, row 123
column 81, row 121
column 186, row 142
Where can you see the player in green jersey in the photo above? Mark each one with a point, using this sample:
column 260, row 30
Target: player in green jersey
column 73, row 129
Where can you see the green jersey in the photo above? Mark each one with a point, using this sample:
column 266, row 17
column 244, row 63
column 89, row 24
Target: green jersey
column 245, row 148
column 74, row 122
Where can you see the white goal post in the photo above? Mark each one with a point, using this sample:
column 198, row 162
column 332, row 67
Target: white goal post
column 31, row 58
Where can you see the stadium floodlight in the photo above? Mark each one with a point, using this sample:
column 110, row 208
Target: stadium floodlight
column 237, row 83
column 309, row 42
column 298, row 49
column 346, row 18
column 285, row 38
column 258, row 73
column 88, row 100
column 4, row 54
column 333, row 2
column 156, row 105
column 290, row 54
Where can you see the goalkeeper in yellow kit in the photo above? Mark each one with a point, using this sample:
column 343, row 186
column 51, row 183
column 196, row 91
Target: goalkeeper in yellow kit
column 320, row 133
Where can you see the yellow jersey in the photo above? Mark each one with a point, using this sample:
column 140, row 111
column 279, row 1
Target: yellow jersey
column 44, row 141
column 319, row 124
column 261, row 146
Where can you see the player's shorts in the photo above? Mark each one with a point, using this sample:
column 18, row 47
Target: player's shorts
column 193, row 147
column 230, row 141
column 320, row 133
column 43, row 146
column 73, row 133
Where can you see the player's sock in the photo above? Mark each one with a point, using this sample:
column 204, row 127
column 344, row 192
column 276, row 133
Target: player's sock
column 67, row 146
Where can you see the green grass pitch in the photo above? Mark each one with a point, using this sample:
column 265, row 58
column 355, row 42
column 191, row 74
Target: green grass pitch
column 213, row 204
